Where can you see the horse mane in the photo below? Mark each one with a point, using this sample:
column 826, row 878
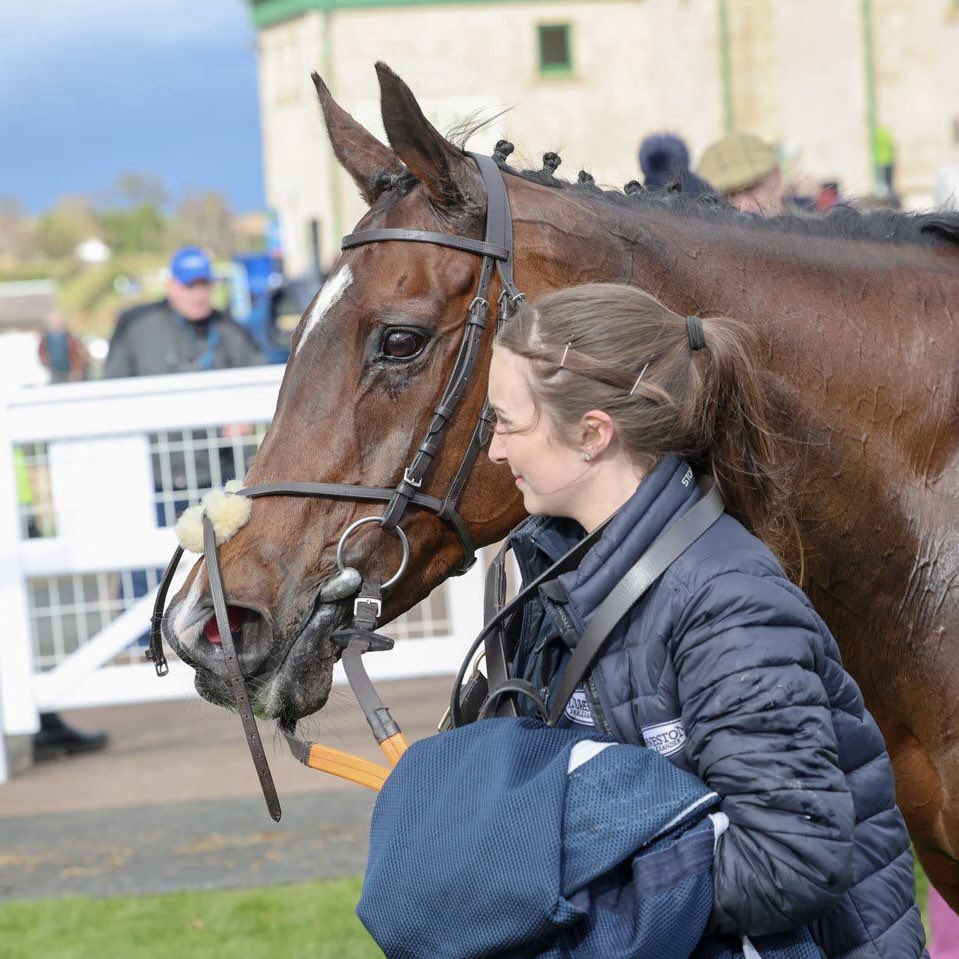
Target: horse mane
column 842, row 222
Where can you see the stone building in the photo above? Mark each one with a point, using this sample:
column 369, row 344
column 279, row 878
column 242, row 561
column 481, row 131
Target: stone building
column 590, row 78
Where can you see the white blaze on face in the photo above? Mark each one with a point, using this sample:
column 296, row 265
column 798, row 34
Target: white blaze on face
column 334, row 287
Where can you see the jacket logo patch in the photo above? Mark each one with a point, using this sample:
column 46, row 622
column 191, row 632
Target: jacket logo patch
column 577, row 709
column 666, row 738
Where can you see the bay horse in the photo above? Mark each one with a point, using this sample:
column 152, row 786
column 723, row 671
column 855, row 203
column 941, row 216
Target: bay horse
column 859, row 323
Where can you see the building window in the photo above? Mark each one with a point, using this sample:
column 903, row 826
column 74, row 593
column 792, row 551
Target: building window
column 555, row 49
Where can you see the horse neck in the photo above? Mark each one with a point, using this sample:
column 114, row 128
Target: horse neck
column 835, row 316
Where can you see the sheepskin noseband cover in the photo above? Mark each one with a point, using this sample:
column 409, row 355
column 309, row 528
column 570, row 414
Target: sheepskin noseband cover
column 228, row 512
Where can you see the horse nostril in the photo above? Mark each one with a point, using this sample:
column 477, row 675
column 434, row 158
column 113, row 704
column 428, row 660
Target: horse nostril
column 235, row 616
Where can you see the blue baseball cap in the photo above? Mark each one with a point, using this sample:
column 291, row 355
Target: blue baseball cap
column 190, row 265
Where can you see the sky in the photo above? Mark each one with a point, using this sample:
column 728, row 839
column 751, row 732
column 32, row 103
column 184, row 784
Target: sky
column 90, row 89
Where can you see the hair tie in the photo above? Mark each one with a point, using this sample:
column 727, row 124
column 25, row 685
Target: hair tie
column 694, row 328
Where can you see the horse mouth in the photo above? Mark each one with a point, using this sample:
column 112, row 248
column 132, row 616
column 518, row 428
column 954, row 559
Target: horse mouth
column 286, row 678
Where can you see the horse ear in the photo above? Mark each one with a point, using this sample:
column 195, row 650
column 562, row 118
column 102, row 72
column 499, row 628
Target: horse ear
column 360, row 153
column 444, row 170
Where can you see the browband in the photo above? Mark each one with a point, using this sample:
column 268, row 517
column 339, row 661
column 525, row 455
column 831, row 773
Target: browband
column 467, row 243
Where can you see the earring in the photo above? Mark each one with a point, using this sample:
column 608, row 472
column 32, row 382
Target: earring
column 587, row 455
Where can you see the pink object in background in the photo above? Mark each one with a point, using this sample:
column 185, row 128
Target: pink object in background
column 944, row 928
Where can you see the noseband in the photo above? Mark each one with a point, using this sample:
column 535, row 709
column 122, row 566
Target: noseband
column 497, row 253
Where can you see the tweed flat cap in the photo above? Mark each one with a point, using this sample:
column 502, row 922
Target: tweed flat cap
column 737, row 162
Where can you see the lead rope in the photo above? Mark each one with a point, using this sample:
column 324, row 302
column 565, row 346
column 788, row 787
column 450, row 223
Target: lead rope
column 354, row 641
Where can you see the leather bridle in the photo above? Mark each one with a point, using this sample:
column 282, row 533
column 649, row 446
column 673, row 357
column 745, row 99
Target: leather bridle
column 496, row 249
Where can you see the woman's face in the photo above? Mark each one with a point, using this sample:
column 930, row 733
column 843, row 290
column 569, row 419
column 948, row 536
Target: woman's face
column 552, row 475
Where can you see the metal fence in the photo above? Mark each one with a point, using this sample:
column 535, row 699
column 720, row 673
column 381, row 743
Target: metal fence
column 92, row 477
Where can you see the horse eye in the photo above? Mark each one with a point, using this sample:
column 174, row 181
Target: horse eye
column 402, row 344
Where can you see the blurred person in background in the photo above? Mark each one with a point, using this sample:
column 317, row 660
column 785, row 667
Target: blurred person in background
column 183, row 332
column 884, row 157
column 61, row 352
column 664, row 160
column 58, row 738
column 827, row 197
column 745, row 170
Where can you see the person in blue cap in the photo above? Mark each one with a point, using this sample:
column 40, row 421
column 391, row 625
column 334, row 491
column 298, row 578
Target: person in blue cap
column 183, row 332
column 664, row 160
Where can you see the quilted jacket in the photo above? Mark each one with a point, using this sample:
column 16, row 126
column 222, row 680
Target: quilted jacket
column 725, row 668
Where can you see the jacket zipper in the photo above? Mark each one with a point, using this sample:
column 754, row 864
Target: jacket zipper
column 589, row 684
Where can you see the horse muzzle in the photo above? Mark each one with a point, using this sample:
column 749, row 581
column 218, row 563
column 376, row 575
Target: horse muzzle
column 277, row 671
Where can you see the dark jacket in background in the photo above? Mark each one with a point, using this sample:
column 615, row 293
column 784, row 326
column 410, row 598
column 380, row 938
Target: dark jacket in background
column 725, row 668
column 152, row 339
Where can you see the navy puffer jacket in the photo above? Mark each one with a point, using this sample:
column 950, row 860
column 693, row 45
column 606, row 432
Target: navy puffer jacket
column 725, row 668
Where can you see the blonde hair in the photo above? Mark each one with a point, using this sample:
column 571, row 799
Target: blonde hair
column 617, row 348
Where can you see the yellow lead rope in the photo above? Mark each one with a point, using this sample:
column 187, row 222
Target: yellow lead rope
column 363, row 772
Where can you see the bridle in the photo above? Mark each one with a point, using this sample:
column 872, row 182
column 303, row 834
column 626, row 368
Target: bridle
column 496, row 249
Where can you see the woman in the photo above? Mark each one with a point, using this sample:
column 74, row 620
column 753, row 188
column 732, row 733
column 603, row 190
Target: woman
column 610, row 407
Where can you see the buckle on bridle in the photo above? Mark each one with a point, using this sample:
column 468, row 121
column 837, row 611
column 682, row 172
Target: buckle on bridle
column 373, row 605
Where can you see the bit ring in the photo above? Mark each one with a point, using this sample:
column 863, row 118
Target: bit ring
column 404, row 542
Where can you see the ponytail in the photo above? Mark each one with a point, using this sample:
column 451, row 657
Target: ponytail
column 737, row 444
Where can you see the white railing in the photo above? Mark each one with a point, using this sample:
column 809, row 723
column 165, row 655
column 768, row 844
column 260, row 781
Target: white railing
column 101, row 449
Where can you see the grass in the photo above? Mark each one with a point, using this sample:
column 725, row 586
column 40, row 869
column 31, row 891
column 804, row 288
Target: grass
column 314, row 920
column 922, row 893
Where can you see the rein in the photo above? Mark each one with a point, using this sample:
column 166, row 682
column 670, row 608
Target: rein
column 361, row 637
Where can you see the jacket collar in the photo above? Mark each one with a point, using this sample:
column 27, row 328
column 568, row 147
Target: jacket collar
column 664, row 494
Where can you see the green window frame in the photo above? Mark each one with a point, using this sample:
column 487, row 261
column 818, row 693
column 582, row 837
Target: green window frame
column 555, row 48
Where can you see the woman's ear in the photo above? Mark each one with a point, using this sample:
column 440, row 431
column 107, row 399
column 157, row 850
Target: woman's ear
column 598, row 432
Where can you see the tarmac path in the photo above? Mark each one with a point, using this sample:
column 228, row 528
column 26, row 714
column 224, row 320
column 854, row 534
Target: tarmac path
column 173, row 802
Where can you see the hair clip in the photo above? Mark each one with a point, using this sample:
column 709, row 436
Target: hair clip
column 638, row 378
column 562, row 362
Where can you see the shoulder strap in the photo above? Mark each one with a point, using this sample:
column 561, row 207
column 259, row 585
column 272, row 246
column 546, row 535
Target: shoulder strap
column 491, row 636
column 498, row 651
column 667, row 547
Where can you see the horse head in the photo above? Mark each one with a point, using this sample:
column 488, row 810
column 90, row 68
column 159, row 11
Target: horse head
column 369, row 362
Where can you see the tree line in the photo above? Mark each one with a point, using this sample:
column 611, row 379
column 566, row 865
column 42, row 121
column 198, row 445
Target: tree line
column 134, row 216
